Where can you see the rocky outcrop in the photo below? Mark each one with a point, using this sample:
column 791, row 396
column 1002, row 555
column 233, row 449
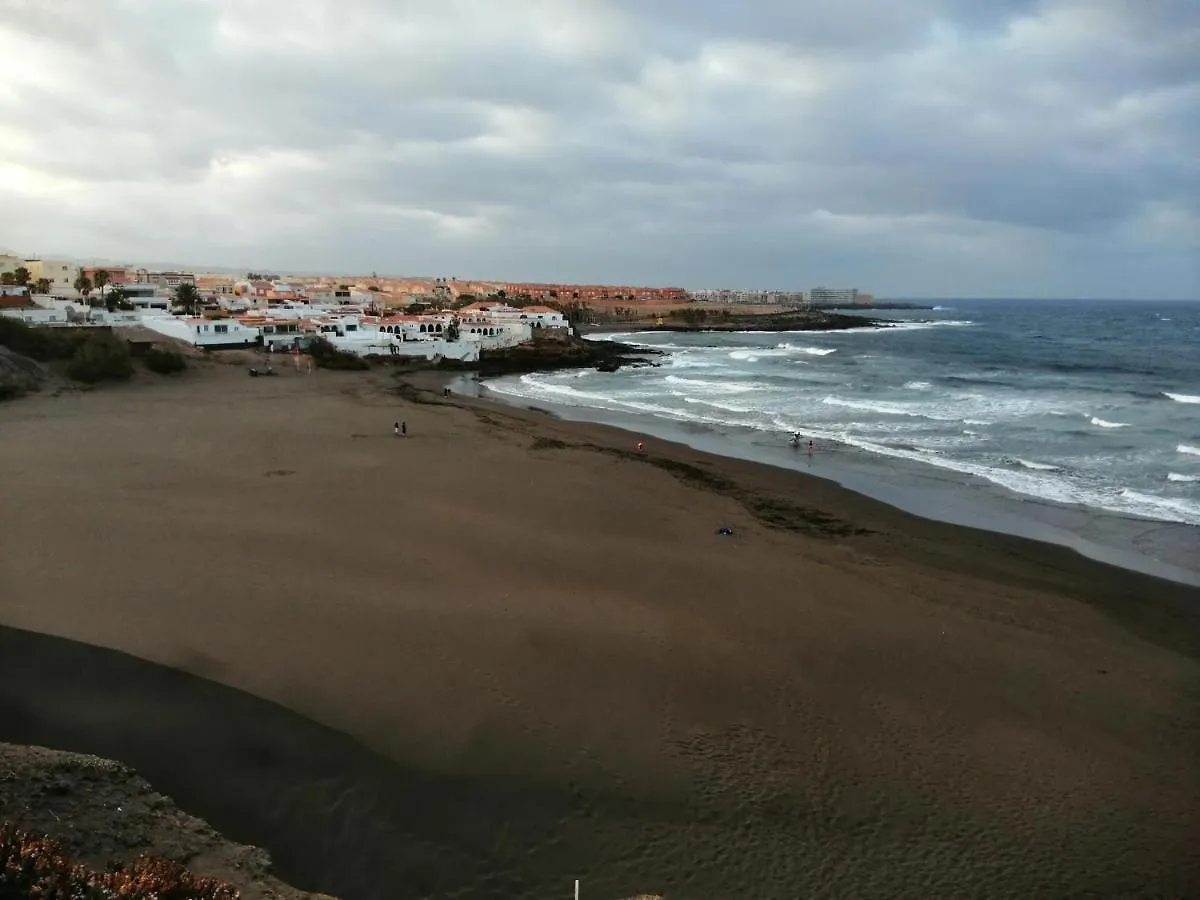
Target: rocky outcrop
column 101, row 811
column 562, row 351
column 809, row 320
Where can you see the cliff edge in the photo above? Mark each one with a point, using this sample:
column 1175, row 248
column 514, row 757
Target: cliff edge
column 101, row 812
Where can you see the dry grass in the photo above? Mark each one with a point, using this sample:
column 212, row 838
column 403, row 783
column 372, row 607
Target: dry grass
column 37, row 866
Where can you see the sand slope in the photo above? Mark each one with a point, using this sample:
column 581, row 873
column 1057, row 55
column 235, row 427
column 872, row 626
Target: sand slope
column 539, row 662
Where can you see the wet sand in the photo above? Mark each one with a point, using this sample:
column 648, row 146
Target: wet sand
column 508, row 651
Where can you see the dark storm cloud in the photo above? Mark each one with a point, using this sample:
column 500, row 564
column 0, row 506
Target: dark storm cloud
column 949, row 146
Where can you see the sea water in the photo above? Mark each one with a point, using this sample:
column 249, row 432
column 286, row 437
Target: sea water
column 1086, row 404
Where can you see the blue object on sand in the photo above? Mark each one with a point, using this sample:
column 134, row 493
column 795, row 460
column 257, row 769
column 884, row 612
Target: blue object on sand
column 724, row 531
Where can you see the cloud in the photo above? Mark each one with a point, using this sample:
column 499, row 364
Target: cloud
column 936, row 147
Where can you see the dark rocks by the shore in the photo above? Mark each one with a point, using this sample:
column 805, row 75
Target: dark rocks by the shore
column 814, row 320
column 561, row 351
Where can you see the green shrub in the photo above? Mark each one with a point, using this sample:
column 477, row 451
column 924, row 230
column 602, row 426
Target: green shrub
column 100, row 357
column 326, row 356
column 36, row 342
column 9, row 389
column 164, row 361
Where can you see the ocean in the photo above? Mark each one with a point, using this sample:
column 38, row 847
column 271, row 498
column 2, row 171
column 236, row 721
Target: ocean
column 1084, row 406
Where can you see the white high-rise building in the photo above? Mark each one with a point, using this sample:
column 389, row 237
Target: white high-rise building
column 823, row 296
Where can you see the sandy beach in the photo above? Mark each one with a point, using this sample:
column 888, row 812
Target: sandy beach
column 509, row 651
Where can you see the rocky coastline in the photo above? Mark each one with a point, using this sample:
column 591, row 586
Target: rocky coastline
column 807, row 320
column 562, row 352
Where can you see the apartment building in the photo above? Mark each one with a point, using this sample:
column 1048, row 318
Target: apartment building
column 61, row 273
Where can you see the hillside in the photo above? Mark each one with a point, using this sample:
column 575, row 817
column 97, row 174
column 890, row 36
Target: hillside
column 101, row 812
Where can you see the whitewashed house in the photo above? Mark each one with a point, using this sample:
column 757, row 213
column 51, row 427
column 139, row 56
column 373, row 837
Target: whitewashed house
column 211, row 334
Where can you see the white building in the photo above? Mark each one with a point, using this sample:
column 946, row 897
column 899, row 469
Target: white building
column 35, row 315
column 823, row 296
column 212, row 334
column 534, row 316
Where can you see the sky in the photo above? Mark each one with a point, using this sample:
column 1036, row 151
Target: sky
column 924, row 148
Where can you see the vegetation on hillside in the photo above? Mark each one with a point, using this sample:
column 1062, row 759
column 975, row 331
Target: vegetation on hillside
column 36, row 866
column 100, row 357
column 91, row 355
column 164, row 361
column 326, row 356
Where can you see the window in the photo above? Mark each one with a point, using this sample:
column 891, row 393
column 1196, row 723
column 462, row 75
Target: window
column 221, row 329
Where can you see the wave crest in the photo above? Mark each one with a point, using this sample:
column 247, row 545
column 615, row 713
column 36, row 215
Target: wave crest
column 1036, row 466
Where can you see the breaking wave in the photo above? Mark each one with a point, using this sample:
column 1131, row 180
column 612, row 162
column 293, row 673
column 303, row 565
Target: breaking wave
column 1181, row 398
column 1101, row 423
column 810, row 351
column 1036, row 466
column 715, row 387
column 1187, row 479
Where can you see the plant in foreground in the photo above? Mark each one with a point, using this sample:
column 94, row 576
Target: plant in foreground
column 37, row 866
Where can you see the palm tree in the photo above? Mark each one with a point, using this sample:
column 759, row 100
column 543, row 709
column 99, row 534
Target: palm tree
column 7, row 278
column 83, row 284
column 187, row 298
column 43, row 286
column 101, row 278
column 21, row 276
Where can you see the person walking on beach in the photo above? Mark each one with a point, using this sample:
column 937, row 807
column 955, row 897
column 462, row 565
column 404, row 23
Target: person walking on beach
column 810, row 446
column 396, row 429
column 403, row 429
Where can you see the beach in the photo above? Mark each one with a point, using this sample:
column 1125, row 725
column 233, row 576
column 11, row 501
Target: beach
column 508, row 651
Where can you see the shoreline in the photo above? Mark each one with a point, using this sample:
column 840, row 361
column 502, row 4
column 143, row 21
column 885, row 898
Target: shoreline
column 509, row 651
column 930, row 494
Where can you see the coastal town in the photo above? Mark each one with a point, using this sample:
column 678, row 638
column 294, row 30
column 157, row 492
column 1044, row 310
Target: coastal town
column 430, row 318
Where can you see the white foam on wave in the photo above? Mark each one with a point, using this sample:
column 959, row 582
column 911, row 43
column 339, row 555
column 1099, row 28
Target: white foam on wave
column 1188, row 449
column 1039, row 484
column 808, row 351
column 754, row 354
column 1101, row 423
column 1187, row 479
column 976, row 422
column 917, row 385
column 896, row 327
column 714, row 387
column 1005, row 405
column 920, row 326
column 717, row 404
column 1036, row 466
column 1169, row 508
column 890, row 408
column 1029, row 478
column 749, row 355
column 1181, row 398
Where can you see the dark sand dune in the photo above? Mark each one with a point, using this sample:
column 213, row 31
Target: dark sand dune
column 532, row 659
